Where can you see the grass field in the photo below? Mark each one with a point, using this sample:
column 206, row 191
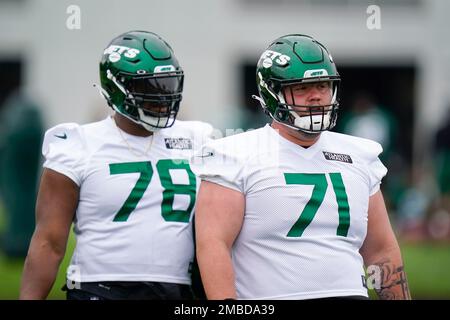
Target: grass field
column 427, row 267
column 428, row 270
column 11, row 272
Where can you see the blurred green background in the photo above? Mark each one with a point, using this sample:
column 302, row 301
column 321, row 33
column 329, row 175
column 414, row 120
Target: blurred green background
column 11, row 270
column 427, row 266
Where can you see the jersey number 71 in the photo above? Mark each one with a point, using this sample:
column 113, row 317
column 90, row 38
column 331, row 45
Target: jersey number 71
column 319, row 181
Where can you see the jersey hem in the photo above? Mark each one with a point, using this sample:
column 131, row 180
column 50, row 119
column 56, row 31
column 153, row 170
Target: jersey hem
column 62, row 170
column 313, row 295
column 221, row 183
column 121, row 277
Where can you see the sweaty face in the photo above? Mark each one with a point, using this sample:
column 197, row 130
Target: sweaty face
column 306, row 96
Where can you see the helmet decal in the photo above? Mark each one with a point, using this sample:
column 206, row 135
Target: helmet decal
column 277, row 57
column 267, row 63
column 164, row 68
column 315, row 73
column 114, row 57
column 127, row 52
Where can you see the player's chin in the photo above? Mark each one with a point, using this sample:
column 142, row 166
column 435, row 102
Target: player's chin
column 313, row 111
column 309, row 135
column 156, row 111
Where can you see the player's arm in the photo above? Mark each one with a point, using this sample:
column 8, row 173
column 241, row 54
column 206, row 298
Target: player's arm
column 219, row 216
column 55, row 208
column 381, row 251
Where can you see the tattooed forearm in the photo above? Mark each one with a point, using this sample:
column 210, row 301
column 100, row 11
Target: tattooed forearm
column 393, row 284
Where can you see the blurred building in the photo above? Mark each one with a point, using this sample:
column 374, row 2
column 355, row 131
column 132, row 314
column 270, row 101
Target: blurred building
column 405, row 63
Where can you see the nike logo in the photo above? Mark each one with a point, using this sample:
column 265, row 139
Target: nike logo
column 64, row 136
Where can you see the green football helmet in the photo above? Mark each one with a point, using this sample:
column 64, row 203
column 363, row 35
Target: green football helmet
column 294, row 59
column 141, row 79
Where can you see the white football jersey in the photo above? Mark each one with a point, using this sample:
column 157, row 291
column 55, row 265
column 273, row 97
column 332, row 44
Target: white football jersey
column 137, row 194
column 305, row 211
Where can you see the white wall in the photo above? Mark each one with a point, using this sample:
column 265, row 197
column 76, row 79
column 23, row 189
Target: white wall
column 211, row 38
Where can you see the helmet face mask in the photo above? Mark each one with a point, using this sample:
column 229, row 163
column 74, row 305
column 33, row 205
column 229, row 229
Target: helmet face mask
column 142, row 80
column 154, row 100
column 309, row 118
column 295, row 60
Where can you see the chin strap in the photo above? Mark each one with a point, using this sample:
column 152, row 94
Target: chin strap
column 259, row 99
column 262, row 104
column 111, row 77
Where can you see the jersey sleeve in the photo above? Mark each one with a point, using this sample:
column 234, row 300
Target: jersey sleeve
column 216, row 164
column 376, row 168
column 63, row 149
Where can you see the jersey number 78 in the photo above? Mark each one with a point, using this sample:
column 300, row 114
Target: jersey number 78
column 170, row 189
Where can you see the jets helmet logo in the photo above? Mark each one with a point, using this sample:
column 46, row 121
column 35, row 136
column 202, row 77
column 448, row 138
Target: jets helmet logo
column 315, row 73
column 269, row 57
column 115, row 52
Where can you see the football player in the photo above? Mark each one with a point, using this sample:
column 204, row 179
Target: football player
column 293, row 210
column 125, row 183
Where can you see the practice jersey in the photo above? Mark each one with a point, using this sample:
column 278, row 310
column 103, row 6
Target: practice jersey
column 306, row 211
column 137, row 194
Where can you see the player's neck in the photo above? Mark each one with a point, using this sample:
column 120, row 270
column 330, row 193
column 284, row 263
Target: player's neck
column 129, row 126
column 302, row 139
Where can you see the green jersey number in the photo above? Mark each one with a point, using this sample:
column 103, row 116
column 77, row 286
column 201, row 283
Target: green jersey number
column 170, row 189
column 319, row 181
